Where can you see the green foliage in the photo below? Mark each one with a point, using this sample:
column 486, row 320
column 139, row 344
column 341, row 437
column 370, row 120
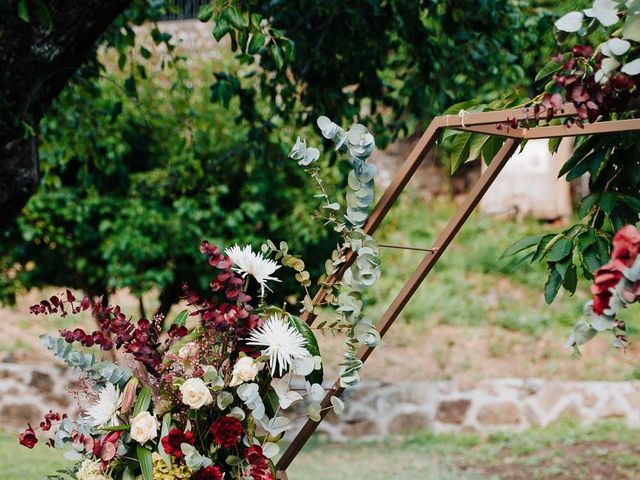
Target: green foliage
column 133, row 184
column 402, row 61
column 138, row 167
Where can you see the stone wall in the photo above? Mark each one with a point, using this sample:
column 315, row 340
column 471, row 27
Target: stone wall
column 28, row 392
column 374, row 410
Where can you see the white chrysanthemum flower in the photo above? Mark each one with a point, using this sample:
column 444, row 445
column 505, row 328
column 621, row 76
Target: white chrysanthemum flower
column 283, row 343
column 250, row 263
column 104, row 410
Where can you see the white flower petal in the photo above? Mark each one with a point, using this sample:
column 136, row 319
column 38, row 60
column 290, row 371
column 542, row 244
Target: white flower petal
column 282, row 342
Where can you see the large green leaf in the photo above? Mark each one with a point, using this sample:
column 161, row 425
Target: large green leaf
column 522, row 244
column 560, row 250
column 146, row 462
column 460, row 150
column 550, row 68
column 552, row 286
column 143, row 401
column 475, row 145
column 312, row 346
column 491, row 148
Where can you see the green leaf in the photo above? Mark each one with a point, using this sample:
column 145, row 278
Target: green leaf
column 43, row 14
column 475, row 145
column 550, row 68
column 560, row 250
column 235, row 18
column 276, row 54
column 522, row 244
column 570, row 280
column 181, row 318
column 144, row 52
column 541, row 250
column 23, row 11
column 130, row 86
column 221, row 28
column 590, row 163
column 590, row 261
column 272, row 403
column 586, row 203
column 491, row 148
column 206, row 12
column 607, row 202
column 116, row 428
column 311, row 345
column 142, row 402
column 581, row 150
column 552, row 286
column 460, row 150
column 146, row 462
column 256, row 43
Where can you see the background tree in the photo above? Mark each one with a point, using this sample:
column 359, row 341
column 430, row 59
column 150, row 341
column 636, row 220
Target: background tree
column 138, row 167
column 43, row 44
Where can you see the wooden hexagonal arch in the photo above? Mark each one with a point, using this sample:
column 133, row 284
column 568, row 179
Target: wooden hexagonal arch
column 489, row 123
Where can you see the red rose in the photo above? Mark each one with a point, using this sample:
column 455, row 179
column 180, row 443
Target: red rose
column 607, row 277
column 212, row 472
column 626, row 244
column 176, row 437
column 260, row 469
column 28, row 438
column 227, row 431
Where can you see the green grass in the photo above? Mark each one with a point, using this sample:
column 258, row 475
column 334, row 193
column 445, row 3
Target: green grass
column 472, row 284
column 20, row 463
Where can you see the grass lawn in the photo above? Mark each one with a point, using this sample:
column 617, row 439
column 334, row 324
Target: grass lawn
column 565, row 451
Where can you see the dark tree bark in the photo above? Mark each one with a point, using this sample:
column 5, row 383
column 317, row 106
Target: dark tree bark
column 37, row 61
column 169, row 297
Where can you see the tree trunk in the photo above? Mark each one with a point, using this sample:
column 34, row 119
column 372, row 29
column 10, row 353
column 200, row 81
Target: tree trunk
column 169, row 297
column 37, row 61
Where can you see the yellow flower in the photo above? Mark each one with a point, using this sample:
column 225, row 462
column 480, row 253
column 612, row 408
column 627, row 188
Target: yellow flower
column 162, row 471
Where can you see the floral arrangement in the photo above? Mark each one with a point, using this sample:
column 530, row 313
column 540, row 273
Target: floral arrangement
column 616, row 285
column 206, row 398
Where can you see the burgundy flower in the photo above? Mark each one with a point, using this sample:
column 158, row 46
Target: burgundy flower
column 626, row 244
column 582, row 51
column 176, row 437
column 212, row 472
column 606, row 277
column 226, row 431
column 28, row 438
column 260, row 469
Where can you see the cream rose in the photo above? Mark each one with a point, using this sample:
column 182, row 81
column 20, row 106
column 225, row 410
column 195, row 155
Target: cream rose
column 195, row 393
column 245, row 370
column 144, row 427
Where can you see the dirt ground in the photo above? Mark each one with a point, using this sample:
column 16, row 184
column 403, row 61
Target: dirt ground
column 595, row 460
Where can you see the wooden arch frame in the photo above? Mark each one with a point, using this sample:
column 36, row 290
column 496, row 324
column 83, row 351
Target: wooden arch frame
column 488, row 123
